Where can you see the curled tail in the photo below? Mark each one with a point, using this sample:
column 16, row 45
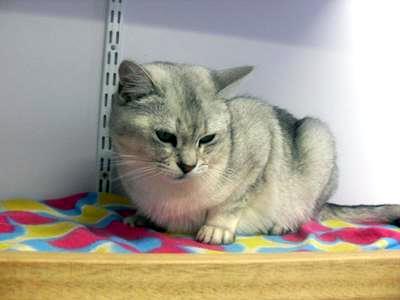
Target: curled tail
column 361, row 213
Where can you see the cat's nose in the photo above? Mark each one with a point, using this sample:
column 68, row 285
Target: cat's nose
column 185, row 168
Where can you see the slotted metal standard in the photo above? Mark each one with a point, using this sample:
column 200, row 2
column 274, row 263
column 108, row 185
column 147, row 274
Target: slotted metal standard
column 112, row 55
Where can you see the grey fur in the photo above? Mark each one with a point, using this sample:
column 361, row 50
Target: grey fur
column 264, row 171
column 361, row 213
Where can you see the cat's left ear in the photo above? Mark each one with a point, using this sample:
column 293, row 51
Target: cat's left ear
column 135, row 81
column 226, row 77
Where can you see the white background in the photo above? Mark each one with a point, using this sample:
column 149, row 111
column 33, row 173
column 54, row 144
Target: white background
column 50, row 70
column 337, row 60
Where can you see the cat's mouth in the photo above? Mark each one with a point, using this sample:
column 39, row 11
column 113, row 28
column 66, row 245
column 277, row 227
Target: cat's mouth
column 183, row 177
column 180, row 177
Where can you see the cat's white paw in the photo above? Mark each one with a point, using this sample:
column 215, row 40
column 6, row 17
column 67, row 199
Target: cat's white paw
column 215, row 235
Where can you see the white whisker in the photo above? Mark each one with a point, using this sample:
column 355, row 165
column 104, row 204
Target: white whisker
column 131, row 174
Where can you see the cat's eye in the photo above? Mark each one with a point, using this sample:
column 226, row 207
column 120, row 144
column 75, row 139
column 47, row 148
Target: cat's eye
column 207, row 139
column 166, row 137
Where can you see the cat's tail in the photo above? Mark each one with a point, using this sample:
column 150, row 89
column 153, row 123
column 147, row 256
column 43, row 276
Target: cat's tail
column 361, row 213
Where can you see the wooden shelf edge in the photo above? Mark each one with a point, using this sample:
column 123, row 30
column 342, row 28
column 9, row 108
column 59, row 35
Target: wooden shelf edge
column 360, row 275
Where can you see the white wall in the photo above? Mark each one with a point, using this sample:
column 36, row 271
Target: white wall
column 335, row 59
column 50, row 58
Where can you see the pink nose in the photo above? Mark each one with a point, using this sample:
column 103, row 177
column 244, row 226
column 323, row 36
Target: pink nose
column 185, row 168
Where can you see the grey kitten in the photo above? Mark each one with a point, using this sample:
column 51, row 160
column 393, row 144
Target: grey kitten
column 193, row 161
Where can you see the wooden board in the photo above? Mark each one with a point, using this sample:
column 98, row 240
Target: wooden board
column 366, row 275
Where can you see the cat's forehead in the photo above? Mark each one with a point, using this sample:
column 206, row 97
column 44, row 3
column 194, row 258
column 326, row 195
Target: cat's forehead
column 193, row 117
column 190, row 98
column 197, row 123
column 181, row 79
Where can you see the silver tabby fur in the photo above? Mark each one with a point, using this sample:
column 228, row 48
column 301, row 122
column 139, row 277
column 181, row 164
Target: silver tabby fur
column 263, row 172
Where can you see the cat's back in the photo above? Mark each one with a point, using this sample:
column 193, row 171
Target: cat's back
column 255, row 116
column 246, row 111
column 250, row 130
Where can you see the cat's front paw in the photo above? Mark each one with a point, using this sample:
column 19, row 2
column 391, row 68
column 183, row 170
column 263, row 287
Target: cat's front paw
column 278, row 230
column 135, row 221
column 215, row 235
column 141, row 221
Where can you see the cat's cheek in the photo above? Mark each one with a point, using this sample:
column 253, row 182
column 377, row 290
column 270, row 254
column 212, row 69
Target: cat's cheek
column 217, row 161
column 129, row 145
column 201, row 169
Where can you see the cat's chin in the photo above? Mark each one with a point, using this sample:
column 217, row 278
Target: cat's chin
column 181, row 179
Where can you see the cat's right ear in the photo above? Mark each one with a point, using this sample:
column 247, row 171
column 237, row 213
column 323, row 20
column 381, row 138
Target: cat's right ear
column 134, row 81
column 226, row 77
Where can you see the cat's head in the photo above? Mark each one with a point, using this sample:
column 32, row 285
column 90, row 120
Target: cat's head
column 170, row 120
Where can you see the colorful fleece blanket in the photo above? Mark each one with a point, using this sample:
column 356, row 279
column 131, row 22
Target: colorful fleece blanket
column 92, row 222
